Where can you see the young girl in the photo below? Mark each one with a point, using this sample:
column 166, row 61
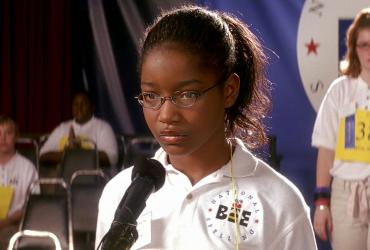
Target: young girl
column 342, row 136
column 204, row 96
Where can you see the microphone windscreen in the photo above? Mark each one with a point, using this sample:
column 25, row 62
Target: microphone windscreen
column 149, row 168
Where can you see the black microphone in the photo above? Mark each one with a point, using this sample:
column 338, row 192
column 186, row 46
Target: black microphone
column 148, row 176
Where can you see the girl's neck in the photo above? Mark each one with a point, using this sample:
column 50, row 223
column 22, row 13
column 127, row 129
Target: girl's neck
column 203, row 162
column 365, row 75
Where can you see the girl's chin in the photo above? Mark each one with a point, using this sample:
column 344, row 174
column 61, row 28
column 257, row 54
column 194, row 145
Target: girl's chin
column 175, row 150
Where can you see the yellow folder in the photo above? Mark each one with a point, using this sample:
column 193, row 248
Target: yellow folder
column 6, row 194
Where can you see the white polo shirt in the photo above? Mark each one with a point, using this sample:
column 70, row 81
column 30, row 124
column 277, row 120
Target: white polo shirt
column 18, row 173
column 344, row 96
column 272, row 213
column 97, row 130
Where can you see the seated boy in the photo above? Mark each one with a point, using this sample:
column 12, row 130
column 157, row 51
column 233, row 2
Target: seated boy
column 16, row 175
column 77, row 133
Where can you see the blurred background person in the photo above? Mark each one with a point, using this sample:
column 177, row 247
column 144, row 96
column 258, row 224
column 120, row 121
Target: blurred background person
column 342, row 136
column 77, row 132
column 16, row 175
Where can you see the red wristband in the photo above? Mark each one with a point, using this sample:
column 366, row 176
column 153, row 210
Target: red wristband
column 322, row 201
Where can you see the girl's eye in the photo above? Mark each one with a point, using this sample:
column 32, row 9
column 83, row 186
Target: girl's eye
column 150, row 96
column 188, row 95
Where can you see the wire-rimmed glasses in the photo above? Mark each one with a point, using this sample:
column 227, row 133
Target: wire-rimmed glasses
column 182, row 99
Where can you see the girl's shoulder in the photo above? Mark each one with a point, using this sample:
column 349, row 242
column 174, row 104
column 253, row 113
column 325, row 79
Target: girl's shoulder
column 343, row 83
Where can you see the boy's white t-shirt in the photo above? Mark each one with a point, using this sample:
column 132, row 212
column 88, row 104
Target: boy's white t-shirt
column 97, row 130
column 19, row 173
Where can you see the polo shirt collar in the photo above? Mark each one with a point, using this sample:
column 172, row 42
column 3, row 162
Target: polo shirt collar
column 243, row 162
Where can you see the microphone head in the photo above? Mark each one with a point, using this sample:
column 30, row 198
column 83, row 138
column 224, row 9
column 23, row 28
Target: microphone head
column 151, row 168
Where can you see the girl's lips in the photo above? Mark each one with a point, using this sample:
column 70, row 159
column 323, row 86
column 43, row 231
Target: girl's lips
column 171, row 137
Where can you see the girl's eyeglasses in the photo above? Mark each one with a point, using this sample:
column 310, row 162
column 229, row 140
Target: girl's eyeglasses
column 182, row 99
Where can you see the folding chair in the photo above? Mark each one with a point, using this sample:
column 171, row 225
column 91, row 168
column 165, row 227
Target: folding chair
column 29, row 148
column 138, row 146
column 48, row 213
column 35, row 235
column 42, row 139
column 86, row 188
column 47, row 170
column 78, row 159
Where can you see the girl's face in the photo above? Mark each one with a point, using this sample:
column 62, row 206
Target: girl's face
column 183, row 131
column 363, row 48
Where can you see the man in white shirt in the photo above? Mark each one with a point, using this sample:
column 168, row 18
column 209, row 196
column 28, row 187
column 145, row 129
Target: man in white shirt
column 74, row 133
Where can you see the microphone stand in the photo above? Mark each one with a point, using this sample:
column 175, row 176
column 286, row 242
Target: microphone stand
column 120, row 237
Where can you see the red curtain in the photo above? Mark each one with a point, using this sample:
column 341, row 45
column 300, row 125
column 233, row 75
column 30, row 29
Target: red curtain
column 35, row 57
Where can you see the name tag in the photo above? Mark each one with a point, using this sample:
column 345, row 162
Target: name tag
column 354, row 137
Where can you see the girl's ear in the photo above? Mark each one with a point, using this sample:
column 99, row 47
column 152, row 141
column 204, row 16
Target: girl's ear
column 231, row 90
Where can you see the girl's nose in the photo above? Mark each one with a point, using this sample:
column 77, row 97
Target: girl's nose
column 168, row 112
